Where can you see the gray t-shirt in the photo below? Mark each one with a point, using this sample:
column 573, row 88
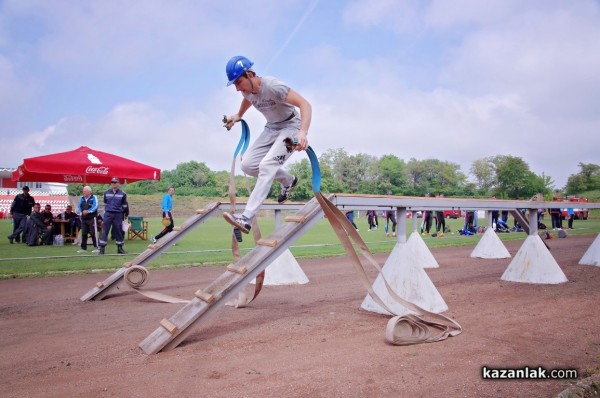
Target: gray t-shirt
column 270, row 101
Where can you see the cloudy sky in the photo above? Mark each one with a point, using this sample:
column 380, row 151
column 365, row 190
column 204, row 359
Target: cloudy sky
column 456, row 80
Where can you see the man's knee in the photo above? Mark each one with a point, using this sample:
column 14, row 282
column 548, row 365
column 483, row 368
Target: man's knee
column 249, row 168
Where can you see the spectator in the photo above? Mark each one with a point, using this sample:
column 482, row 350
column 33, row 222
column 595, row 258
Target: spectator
column 504, row 216
column 571, row 214
column 20, row 208
column 495, row 214
column 350, row 217
column 115, row 201
column 426, row 222
column 37, row 226
column 277, row 102
column 88, row 208
column 502, row 226
column 71, row 226
column 440, row 221
column 167, row 207
column 390, row 215
column 47, row 216
column 371, row 217
column 555, row 216
column 469, row 221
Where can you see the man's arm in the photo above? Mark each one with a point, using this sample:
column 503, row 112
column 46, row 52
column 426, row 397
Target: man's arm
column 301, row 103
column 233, row 119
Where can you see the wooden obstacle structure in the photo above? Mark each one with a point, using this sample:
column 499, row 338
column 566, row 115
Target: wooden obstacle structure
column 171, row 332
column 109, row 284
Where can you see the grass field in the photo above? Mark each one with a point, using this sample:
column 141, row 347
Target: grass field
column 210, row 244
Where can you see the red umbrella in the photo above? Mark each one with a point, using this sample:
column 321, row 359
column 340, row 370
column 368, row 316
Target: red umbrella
column 83, row 165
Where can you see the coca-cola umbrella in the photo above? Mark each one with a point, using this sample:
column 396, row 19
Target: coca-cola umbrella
column 83, row 165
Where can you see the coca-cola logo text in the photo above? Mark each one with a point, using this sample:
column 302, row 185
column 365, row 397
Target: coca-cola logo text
column 97, row 170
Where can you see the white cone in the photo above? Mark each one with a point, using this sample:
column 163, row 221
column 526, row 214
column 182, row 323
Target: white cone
column 533, row 263
column 408, row 281
column 285, row 270
column 490, row 246
column 419, row 253
column 592, row 254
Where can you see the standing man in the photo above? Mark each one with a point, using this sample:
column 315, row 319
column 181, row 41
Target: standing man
column 115, row 203
column 390, row 215
column 19, row 210
column 167, row 206
column 440, row 221
column 277, row 102
column 350, row 217
column 88, row 208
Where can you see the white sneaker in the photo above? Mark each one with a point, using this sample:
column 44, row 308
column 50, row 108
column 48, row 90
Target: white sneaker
column 81, row 251
column 287, row 191
column 153, row 239
column 96, row 250
column 238, row 221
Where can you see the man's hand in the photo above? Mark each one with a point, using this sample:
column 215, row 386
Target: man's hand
column 302, row 141
column 229, row 121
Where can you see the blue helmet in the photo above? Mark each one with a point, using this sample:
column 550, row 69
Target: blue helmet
column 236, row 67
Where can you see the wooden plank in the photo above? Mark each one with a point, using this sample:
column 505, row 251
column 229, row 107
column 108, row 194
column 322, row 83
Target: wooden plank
column 168, row 325
column 236, row 269
column 209, row 298
column 294, row 218
column 267, row 242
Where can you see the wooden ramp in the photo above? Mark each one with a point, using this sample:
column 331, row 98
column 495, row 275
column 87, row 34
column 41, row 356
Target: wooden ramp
column 105, row 287
column 206, row 302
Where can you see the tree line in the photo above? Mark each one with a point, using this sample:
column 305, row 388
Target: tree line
column 505, row 176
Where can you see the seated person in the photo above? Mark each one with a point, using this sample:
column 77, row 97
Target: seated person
column 502, row 226
column 47, row 216
column 36, row 226
column 72, row 218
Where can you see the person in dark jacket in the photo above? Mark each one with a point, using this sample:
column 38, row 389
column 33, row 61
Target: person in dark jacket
column 36, row 226
column 115, row 201
column 19, row 210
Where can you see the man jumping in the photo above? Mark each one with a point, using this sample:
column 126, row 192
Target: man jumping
column 265, row 158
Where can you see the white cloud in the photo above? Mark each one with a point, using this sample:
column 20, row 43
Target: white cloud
column 453, row 80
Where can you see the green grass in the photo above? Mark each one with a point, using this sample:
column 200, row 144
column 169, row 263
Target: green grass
column 210, row 244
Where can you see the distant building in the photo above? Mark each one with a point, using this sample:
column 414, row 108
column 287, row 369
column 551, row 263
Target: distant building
column 10, row 187
column 52, row 193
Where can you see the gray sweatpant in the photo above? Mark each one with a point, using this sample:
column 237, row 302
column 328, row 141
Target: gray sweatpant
column 264, row 160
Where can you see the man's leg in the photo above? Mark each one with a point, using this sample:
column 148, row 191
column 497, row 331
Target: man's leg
column 269, row 168
column 117, row 227
column 106, row 226
column 85, row 228
column 166, row 229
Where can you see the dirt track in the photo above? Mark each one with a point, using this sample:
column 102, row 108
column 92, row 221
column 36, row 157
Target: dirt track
column 300, row 341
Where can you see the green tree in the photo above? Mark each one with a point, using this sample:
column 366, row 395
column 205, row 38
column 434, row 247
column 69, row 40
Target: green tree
column 434, row 176
column 515, row 179
column 485, row 175
column 192, row 175
column 588, row 179
column 390, row 175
